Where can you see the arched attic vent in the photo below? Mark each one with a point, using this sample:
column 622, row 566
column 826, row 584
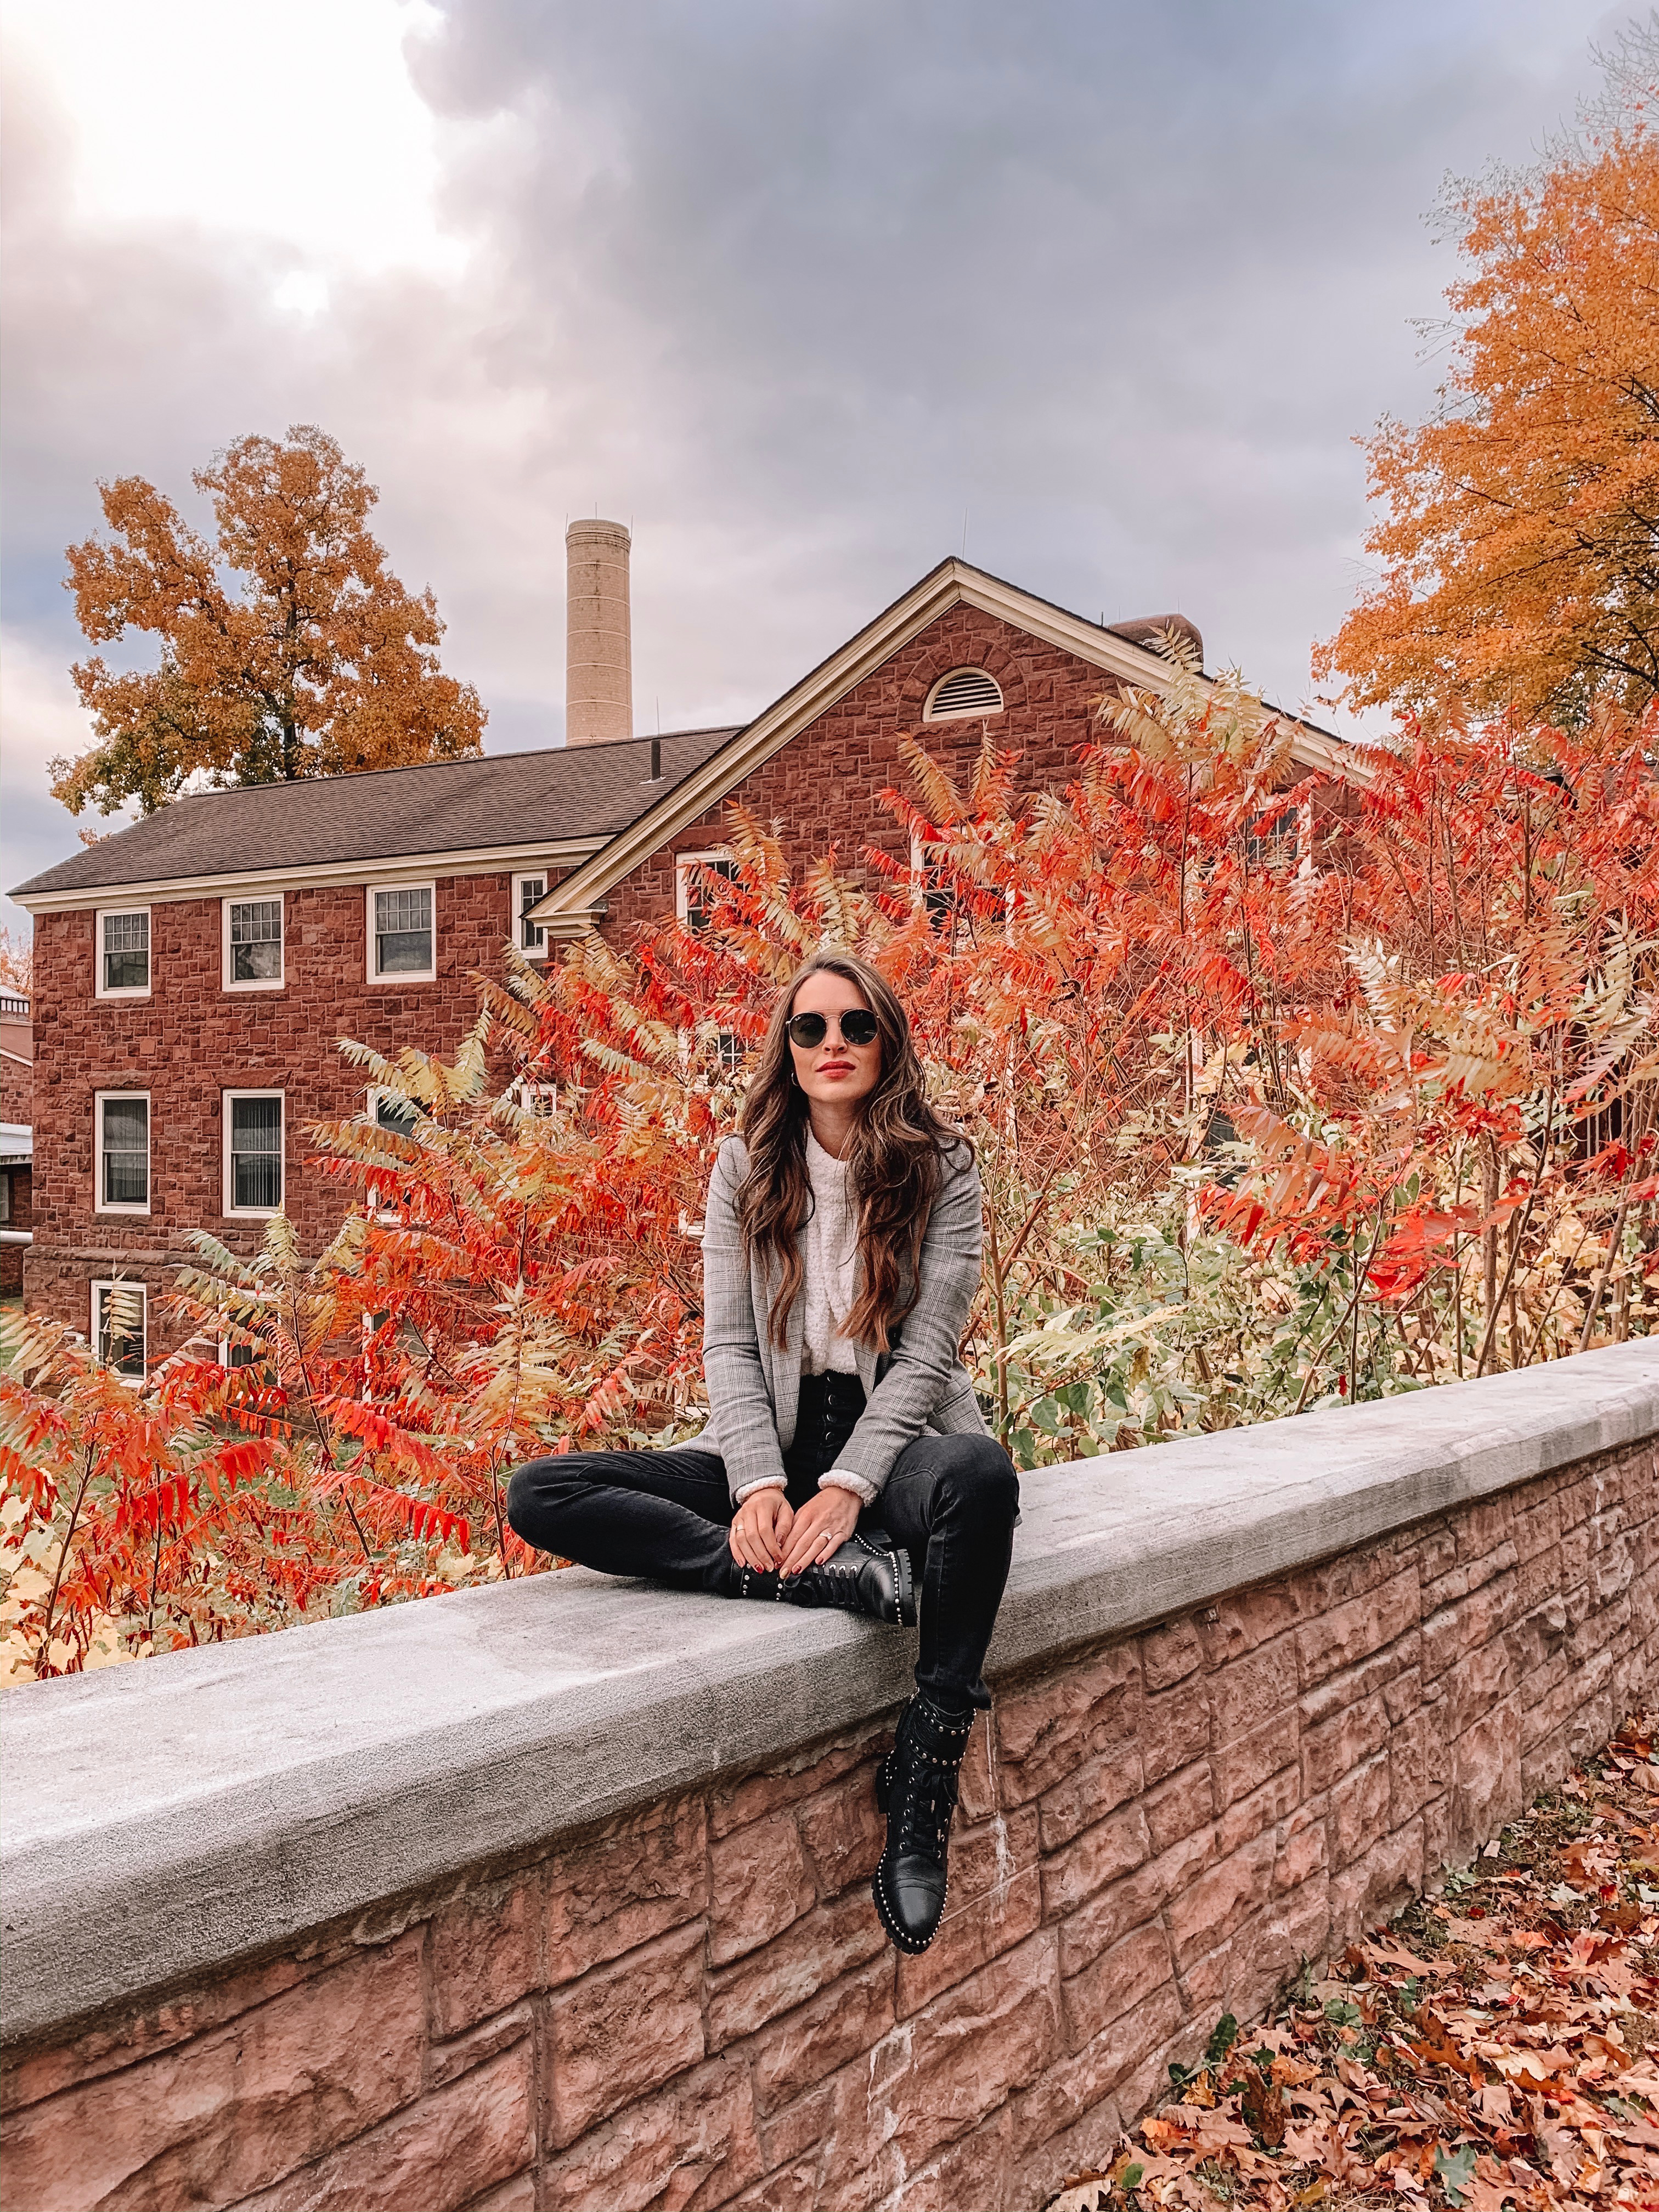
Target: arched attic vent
column 964, row 691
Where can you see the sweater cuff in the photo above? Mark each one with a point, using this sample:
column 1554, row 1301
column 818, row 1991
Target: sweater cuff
column 765, row 1482
column 842, row 1478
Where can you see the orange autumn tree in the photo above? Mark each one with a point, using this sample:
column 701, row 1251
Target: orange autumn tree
column 288, row 648
column 1519, row 539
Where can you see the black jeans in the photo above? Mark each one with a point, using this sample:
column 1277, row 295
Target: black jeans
column 949, row 1501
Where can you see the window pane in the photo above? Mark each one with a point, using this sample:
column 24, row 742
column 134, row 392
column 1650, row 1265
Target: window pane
column 256, row 1152
column 5, row 1198
column 241, row 1355
column 126, row 951
column 255, row 941
column 126, row 1152
column 531, row 936
column 399, row 1114
column 121, row 1329
column 699, row 892
column 403, row 932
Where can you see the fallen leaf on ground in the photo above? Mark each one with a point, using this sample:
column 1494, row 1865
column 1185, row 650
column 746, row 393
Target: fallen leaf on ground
column 1410, row 2073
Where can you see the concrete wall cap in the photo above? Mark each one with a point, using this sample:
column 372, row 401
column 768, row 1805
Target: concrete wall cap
column 163, row 1818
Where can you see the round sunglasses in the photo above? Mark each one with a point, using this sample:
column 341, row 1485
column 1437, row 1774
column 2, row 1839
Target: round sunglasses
column 858, row 1026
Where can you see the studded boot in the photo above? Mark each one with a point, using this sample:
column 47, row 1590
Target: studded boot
column 865, row 1575
column 753, row 1582
column 916, row 1789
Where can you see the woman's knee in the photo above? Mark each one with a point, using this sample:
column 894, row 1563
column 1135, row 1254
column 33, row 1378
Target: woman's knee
column 983, row 1475
column 537, row 1489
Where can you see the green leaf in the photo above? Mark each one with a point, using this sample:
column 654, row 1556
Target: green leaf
column 1225, row 2034
column 1456, row 2173
column 1045, row 1415
column 1128, row 2177
column 1341, row 2014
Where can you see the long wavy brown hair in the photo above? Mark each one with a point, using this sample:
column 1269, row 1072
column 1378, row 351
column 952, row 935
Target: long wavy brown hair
column 894, row 1163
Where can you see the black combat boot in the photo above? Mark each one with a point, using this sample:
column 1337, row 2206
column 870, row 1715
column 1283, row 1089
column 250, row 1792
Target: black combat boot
column 916, row 1787
column 753, row 1582
column 865, row 1575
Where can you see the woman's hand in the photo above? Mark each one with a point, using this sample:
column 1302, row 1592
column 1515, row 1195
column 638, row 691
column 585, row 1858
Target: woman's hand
column 760, row 1528
column 821, row 1525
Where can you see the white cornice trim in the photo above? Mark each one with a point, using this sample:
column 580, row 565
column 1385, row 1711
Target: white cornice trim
column 568, row 908
column 490, row 860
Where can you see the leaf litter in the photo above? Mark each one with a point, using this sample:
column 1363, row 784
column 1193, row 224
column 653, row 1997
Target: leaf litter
column 1494, row 2049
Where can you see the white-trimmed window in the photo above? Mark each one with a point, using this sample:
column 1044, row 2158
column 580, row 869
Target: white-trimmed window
column 122, row 1137
column 965, row 694
column 120, row 1327
column 253, row 944
column 124, row 968
column 529, row 936
column 931, row 884
column 402, row 941
column 692, row 889
column 253, row 1152
column 238, row 1355
column 539, row 1100
column 390, row 1109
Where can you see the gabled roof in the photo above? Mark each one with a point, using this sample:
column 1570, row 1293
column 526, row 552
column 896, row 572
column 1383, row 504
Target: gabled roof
column 564, row 803
column 572, row 906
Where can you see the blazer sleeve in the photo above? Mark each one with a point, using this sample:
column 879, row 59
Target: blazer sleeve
column 744, row 1421
column 930, row 1336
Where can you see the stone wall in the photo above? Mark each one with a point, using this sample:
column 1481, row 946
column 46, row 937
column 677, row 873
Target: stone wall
column 689, row 2002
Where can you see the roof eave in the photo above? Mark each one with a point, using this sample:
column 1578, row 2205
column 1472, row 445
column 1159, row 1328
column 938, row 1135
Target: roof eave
column 563, row 912
column 339, row 874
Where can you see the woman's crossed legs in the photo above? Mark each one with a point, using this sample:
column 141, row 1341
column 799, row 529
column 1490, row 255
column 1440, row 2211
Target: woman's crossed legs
column 949, row 1502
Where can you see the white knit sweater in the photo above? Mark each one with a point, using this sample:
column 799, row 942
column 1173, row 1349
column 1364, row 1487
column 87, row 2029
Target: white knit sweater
column 832, row 1260
column 829, row 1293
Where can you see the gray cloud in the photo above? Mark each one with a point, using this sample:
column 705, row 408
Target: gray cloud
column 792, row 288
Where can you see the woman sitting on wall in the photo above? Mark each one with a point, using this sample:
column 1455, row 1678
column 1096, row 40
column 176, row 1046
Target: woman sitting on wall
column 846, row 1461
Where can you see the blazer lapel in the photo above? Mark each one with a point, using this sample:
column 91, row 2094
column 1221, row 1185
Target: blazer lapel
column 861, row 1351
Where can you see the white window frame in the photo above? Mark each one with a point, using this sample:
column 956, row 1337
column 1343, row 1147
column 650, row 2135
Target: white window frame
column 377, row 1091
column 394, row 976
column 530, row 876
column 126, row 990
column 684, row 863
column 231, row 1212
column 100, row 1204
column 920, row 890
column 964, row 714
column 226, row 1348
column 539, row 1100
column 124, row 1283
column 228, row 978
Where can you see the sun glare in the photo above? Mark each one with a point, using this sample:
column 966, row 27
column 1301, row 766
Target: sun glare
column 293, row 120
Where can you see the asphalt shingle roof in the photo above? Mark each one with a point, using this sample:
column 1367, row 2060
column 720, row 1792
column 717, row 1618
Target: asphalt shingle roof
column 443, row 806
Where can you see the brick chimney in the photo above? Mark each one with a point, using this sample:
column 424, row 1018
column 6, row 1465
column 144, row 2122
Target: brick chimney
column 599, row 687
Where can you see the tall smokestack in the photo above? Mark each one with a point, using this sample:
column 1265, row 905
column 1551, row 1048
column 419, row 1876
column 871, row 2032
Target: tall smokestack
column 598, row 685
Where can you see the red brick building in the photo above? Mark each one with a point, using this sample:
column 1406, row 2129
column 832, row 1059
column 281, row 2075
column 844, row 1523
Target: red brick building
column 194, row 972
column 16, row 1112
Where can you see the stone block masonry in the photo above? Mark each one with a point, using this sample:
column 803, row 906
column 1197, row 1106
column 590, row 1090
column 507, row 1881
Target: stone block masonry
column 553, row 1896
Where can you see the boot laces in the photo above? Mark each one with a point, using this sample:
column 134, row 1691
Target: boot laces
column 930, row 1800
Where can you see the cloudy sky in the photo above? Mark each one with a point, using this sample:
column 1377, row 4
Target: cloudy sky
column 809, row 294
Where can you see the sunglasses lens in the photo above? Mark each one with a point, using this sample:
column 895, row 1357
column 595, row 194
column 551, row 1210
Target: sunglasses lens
column 856, row 1026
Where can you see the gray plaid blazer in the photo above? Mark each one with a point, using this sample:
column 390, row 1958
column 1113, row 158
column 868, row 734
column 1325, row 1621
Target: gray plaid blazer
column 754, row 1388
